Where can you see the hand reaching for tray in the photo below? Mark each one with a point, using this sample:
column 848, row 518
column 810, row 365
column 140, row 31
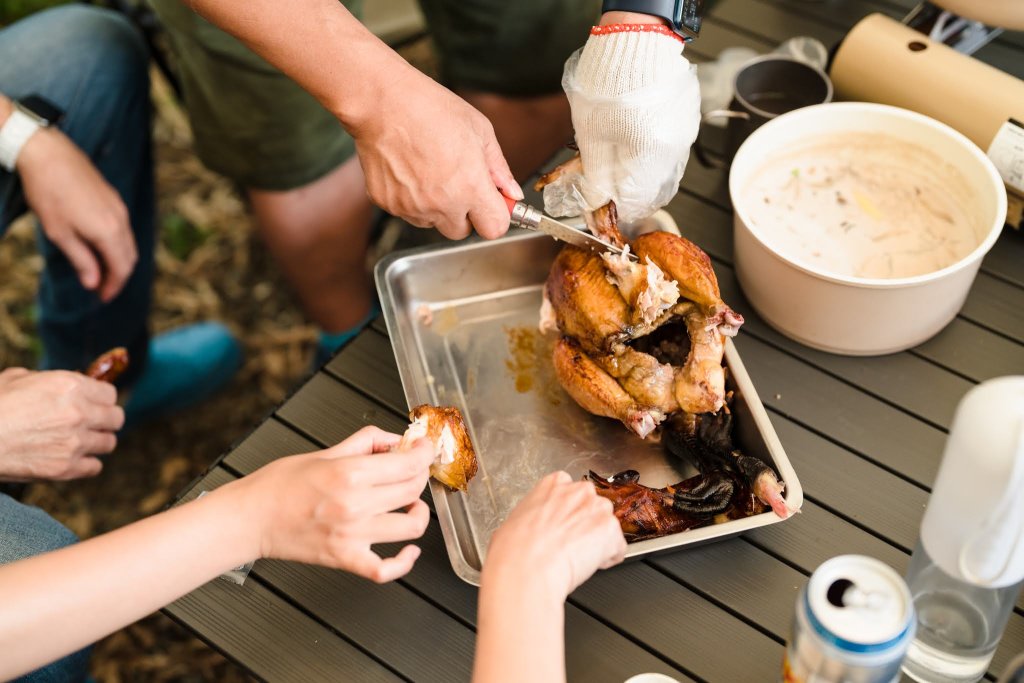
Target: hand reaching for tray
column 554, row 540
column 330, row 506
column 561, row 533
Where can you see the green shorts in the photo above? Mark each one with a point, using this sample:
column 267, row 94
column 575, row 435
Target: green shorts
column 256, row 126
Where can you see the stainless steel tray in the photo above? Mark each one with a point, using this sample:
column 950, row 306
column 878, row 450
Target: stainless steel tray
column 478, row 349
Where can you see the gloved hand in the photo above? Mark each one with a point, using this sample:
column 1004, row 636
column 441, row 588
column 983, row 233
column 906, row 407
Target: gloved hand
column 635, row 105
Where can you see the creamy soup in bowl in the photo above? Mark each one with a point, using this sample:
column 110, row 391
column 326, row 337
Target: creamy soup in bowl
column 859, row 228
column 866, row 205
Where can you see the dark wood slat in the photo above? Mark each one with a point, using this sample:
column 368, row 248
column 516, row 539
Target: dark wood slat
column 389, row 620
column 410, row 634
column 896, row 378
column 594, row 652
column 360, row 363
column 380, row 325
column 1007, row 254
column 743, row 578
column 255, row 627
column 854, row 487
column 679, row 624
column 974, row 352
column 325, row 409
column 996, row 305
column 859, row 422
column 815, row 535
column 433, row 577
column 271, row 440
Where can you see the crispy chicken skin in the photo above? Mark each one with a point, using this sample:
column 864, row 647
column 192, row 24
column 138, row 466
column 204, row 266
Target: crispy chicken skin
column 587, row 306
column 597, row 392
column 684, row 262
column 455, row 463
column 109, row 366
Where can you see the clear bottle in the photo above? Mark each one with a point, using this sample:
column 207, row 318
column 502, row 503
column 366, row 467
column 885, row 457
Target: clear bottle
column 968, row 567
column 958, row 623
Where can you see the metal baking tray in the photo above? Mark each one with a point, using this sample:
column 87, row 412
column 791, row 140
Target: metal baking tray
column 463, row 323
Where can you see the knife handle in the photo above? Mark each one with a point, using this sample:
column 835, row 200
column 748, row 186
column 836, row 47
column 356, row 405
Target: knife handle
column 521, row 214
column 509, row 202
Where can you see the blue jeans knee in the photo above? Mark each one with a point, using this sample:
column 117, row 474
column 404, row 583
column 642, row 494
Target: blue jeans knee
column 26, row 531
column 94, row 65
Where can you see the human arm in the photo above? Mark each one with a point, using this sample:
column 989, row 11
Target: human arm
column 554, row 540
column 428, row 156
column 635, row 104
column 53, row 424
column 77, row 208
column 326, row 508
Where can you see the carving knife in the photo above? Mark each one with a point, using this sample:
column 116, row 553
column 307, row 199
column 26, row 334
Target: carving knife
column 525, row 216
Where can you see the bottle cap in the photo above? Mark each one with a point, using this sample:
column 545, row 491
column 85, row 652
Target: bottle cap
column 974, row 523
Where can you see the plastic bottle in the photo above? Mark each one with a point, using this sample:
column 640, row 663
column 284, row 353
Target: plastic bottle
column 968, row 566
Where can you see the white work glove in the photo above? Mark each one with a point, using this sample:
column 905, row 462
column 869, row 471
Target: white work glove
column 636, row 108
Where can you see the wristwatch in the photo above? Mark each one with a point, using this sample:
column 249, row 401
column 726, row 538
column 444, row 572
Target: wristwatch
column 29, row 115
column 683, row 15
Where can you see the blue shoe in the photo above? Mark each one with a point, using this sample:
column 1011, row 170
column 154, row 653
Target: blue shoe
column 329, row 342
column 185, row 366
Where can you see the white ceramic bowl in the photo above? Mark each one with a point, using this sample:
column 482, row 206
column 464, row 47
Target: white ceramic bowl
column 852, row 315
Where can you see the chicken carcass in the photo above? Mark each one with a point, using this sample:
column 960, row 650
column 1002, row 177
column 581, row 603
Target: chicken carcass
column 640, row 340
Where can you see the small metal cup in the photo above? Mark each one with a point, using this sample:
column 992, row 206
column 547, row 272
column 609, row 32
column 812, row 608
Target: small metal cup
column 765, row 87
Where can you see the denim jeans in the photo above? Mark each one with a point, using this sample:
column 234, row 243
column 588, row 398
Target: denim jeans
column 27, row 531
column 92, row 64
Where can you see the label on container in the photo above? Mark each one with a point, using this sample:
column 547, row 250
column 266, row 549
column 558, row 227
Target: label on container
column 1015, row 210
column 1007, row 153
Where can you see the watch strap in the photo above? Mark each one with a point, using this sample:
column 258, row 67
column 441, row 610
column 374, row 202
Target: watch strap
column 15, row 132
column 683, row 15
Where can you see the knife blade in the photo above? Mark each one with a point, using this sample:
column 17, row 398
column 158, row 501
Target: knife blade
column 525, row 216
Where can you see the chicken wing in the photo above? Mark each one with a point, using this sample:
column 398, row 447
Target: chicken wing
column 455, row 460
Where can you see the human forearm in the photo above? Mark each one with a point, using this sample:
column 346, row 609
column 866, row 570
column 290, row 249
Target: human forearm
column 520, row 629
column 320, row 45
column 56, row 603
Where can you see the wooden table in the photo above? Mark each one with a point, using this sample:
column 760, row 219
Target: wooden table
column 864, row 434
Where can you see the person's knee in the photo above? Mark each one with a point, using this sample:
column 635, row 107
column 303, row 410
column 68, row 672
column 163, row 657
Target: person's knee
column 118, row 46
column 26, row 531
column 105, row 42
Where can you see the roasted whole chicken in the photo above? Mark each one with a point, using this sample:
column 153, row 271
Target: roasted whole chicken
column 642, row 342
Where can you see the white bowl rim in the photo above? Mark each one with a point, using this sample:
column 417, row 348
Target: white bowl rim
column 886, row 110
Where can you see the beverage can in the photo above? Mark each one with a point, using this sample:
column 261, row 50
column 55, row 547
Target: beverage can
column 854, row 622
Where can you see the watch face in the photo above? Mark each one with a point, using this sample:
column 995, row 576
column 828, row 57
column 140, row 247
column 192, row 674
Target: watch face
column 691, row 15
column 42, row 108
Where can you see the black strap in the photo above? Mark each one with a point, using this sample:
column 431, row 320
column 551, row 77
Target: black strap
column 684, row 15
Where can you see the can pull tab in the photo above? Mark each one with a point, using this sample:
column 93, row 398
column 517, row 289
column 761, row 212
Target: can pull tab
column 988, row 554
column 845, row 593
